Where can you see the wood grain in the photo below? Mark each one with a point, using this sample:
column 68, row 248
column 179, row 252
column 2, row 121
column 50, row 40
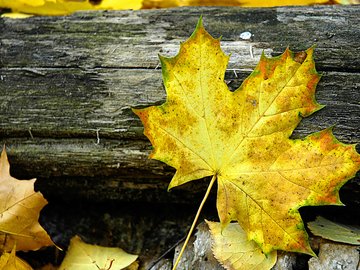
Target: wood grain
column 68, row 85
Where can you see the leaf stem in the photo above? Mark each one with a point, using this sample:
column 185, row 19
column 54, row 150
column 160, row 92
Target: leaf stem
column 194, row 222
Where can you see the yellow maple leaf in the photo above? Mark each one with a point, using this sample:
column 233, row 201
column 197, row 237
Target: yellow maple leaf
column 9, row 261
column 241, row 138
column 82, row 256
column 20, row 207
column 232, row 248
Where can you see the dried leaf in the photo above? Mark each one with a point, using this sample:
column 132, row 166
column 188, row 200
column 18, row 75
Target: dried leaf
column 82, row 256
column 62, row 7
column 235, row 252
column 16, row 15
column 335, row 231
column 20, row 207
column 242, row 138
column 9, row 261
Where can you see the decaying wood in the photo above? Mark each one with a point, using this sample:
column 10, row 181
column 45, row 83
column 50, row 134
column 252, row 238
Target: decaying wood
column 68, row 84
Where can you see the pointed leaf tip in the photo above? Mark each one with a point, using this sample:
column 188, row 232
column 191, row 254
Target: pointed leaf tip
column 200, row 22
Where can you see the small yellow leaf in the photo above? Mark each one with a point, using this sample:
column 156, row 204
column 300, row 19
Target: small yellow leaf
column 9, row 261
column 82, row 256
column 20, row 208
column 63, row 7
column 335, row 231
column 16, row 15
column 232, row 249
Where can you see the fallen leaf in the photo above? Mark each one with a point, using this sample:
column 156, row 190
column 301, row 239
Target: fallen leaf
column 15, row 15
column 335, row 231
column 63, row 7
column 20, row 207
column 9, row 261
column 232, row 248
column 82, row 256
column 242, row 138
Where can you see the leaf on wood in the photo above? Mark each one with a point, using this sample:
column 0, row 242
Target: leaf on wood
column 335, row 231
column 242, row 138
column 20, row 208
column 235, row 252
column 82, row 256
column 9, row 261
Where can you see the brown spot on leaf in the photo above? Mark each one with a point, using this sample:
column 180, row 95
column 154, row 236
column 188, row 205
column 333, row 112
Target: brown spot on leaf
column 300, row 57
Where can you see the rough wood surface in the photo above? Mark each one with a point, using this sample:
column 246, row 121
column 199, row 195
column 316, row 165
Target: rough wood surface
column 68, row 84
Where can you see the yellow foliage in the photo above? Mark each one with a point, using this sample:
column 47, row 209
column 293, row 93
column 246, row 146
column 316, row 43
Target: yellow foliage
column 9, row 261
column 335, row 231
column 82, row 256
column 16, row 15
column 235, row 252
column 242, row 139
column 20, row 207
column 63, row 7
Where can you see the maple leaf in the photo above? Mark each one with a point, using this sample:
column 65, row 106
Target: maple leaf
column 82, row 256
column 242, row 139
column 20, row 206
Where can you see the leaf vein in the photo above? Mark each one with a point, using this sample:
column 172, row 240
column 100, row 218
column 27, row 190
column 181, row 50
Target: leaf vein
column 186, row 146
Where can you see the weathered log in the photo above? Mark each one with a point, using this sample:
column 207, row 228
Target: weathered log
column 68, row 85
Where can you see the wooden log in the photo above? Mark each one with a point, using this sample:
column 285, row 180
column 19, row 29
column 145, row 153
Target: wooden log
column 68, row 84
